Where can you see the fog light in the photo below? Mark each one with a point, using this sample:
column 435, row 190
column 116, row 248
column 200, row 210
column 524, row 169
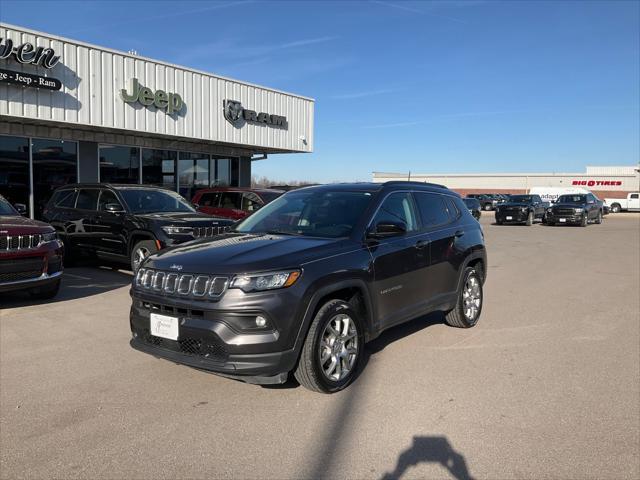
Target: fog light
column 261, row 321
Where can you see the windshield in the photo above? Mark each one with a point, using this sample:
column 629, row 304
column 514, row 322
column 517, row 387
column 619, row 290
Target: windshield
column 572, row 199
column 317, row 213
column 6, row 208
column 146, row 200
column 520, row 198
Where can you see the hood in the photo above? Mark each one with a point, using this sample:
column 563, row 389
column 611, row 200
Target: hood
column 17, row 225
column 234, row 253
column 515, row 204
column 186, row 219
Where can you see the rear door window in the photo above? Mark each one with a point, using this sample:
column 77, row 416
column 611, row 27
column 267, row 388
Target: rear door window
column 433, row 209
column 88, row 199
column 64, row 199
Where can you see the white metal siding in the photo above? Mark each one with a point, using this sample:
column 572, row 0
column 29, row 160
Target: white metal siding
column 92, row 78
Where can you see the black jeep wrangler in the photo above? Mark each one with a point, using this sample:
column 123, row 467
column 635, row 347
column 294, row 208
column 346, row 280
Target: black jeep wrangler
column 125, row 223
column 304, row 282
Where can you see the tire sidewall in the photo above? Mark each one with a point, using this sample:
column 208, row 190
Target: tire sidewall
column 341, row 307
column 153, row 249
column 469, row 271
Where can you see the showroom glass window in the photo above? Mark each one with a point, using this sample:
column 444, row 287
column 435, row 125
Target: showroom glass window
column 55, row 163
column 193, row 173
column 159, row 167
column 119, row 164
column 14, row 169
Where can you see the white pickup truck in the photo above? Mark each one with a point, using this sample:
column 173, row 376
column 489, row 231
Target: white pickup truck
column 629, row 204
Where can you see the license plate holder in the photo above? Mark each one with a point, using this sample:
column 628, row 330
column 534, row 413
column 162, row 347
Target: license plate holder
column 563, row 220
column 164, row 326
column 509, row 217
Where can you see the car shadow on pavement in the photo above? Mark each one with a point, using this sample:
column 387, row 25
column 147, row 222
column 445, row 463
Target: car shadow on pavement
column 431, row 450
column 76, row 283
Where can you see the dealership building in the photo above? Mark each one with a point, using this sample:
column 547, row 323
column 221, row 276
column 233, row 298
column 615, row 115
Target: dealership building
column 74, row 112
column 611, row 182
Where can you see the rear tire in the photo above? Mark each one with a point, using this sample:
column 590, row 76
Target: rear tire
column 321, row 348
column 140, row 251
column 615, row 208
column 487, row 206
column 469, row 305
column 46, row 292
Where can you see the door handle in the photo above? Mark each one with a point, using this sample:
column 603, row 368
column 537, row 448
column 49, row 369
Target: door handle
column 420, row 244
column 459, row 233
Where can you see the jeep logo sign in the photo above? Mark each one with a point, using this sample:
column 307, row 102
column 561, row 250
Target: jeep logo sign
column 237, row 116
column 171, row 102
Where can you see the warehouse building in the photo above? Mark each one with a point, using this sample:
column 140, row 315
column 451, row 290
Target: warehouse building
column 74, row 112
column 611, row 182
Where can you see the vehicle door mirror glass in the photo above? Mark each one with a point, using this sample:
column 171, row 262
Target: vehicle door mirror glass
column 113, row 208
column 388, row 229
column 196, row 205
column 21, row 208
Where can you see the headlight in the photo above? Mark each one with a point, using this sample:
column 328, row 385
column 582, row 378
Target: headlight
column 49, row 237
column 267, row 281
column 577, row 210
column 524, row 209
column 171, row 230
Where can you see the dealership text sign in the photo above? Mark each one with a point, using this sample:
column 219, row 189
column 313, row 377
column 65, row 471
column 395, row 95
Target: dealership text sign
column 598, row 183
column 29, row 80
column 171, row 102
column 27, row 53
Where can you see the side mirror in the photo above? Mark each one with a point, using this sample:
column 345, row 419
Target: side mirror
column 21, row 208
column 388, row 229
column 113, row 208
column 196, row 205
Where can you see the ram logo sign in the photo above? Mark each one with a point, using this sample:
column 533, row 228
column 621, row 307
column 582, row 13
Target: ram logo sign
column 237, row 116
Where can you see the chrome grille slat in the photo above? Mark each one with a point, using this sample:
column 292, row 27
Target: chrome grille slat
column 182, row 285
column 20, row 242
column 204, row 232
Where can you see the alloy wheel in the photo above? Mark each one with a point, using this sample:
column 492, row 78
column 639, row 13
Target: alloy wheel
column 139, row 256
column 472, row 298
column 338, row 350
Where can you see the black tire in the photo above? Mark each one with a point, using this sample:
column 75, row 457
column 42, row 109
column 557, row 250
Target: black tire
column 498, row 222
column 585, row 220
column 457, row 317
column 148, row 246
column 615, row 208
column 529, row 219
column 551, row 224
column 46, row 292
column 599, row 218
column 487, row 207
column 309, row 371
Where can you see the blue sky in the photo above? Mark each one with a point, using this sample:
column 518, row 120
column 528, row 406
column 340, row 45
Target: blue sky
column 452, row 86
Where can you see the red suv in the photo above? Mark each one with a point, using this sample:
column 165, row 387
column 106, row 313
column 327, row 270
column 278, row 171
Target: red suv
column 234, row 203
column 30, row 254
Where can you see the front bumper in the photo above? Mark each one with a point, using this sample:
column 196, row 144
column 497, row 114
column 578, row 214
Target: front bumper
column 23, row 270
column 208, row 338
column 514, row 217
column 564, row 219
column 40, row 281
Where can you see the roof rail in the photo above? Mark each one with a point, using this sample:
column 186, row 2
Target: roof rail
column 411, row 183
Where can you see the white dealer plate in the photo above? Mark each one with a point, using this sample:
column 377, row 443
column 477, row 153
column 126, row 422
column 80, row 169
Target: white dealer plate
column 164, row 326
column 509, row 218
column 562, row 220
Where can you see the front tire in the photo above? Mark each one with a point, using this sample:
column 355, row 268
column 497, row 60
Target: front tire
column 487, row 207
column 585, row 220
column 140, row 251
column 615, row 208
column 469, row 305
column 599, row 218
column 332, row 350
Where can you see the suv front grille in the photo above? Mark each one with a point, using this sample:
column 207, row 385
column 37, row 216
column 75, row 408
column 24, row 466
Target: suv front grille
column 19, row 242
column 200, row 232
column 211, row 347
column 182, row 285
column 564, row 211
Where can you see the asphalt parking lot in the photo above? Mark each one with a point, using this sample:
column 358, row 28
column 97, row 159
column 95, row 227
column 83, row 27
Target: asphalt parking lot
column 547, row 385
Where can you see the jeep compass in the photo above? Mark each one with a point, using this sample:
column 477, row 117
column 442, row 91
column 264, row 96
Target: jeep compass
column 304, row 282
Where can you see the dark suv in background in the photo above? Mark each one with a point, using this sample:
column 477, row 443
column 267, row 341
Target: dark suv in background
column 575, row 209
column 304, row 282
column 486, row 201
column 30, row 254
column 521, row 209
column 125, row 223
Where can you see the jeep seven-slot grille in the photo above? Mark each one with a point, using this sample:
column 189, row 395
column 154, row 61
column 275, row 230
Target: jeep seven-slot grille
column 200, row 232
column 180, row 284
column 19, row 242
